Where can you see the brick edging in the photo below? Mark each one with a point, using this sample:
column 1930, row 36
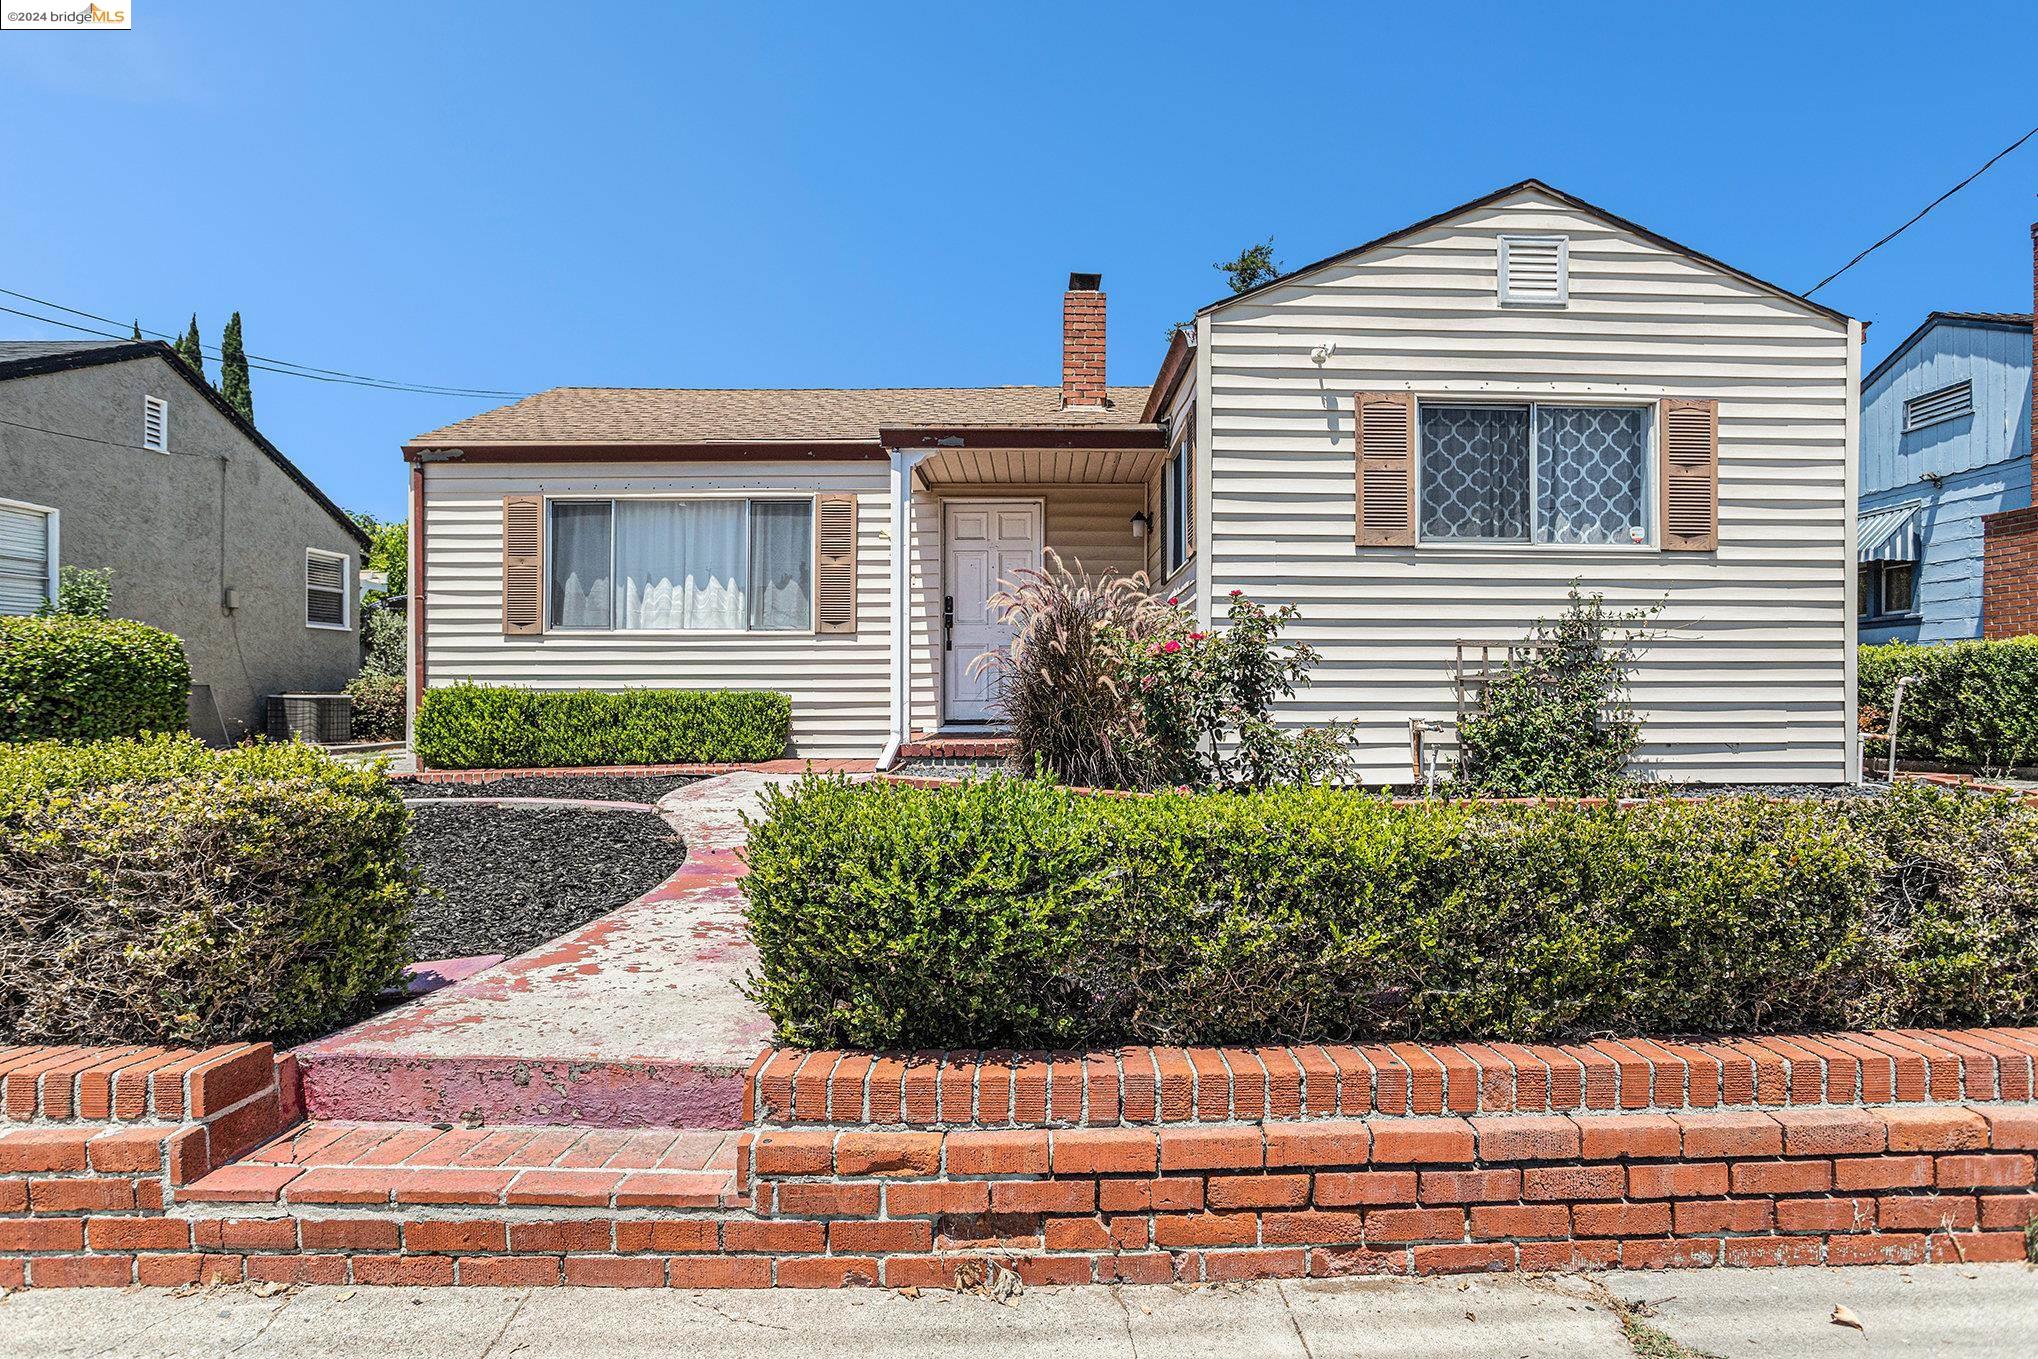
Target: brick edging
column 1148, row 1085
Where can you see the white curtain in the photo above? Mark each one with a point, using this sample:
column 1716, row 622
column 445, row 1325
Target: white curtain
column 681, row 564
column 781, row 564
column 580, row 565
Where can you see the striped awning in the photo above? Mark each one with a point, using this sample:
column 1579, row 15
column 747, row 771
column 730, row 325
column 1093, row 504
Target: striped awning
column 1890, row 535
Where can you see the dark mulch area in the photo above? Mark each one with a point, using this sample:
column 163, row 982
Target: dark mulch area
column 507, row 879
column 592, row 787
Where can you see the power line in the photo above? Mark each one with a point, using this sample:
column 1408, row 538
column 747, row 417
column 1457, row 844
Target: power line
column 1921, row 212
column 258, row 362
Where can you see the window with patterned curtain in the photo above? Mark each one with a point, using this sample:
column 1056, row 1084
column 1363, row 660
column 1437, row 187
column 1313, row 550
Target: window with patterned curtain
column 1558, row 474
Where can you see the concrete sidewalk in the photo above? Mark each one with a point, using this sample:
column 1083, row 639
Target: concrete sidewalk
column 1982, row 1310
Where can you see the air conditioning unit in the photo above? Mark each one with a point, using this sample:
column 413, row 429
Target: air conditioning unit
column 324, row 719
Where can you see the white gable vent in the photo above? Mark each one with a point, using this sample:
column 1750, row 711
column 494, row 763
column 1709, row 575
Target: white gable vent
column 1535, row 271
column 155, row 424
column 1948, row 403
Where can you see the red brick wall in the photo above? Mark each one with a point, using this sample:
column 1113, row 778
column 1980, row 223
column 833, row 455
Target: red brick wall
column 1082, row 348
column 2009, row 574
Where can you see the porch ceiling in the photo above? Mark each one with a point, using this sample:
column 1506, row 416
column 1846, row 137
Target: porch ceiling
column 1039, row 467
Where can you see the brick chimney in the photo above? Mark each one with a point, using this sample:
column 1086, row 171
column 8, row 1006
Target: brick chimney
column 1082, row 341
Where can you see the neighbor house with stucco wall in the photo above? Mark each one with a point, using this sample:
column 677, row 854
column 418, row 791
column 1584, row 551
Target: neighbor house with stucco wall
column 115, row 455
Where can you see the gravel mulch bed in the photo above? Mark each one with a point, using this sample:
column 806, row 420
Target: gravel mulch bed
column 592, row 787
column 509, row 878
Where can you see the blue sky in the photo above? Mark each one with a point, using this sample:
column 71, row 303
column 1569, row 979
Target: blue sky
column 519, row 196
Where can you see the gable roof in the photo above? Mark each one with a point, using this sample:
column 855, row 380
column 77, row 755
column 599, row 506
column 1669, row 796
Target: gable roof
column 1537, row 186
column 694, row 415
column 32, row 358
column 1984, row 320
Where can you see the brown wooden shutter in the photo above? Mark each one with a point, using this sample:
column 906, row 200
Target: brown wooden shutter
column 523, row 564
column 1189, row 494
column 835, row 552
column 1691, row 475
column 1383, row 433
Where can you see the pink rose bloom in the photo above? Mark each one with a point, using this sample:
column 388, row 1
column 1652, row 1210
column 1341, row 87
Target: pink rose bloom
column 1236, row 593
column 1174, row 599
column 1171, row 647
column 1198, row 636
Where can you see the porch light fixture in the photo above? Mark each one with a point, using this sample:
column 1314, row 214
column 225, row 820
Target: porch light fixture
column 1141, row 522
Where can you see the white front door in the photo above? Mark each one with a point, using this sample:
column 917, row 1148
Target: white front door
column 989, row 543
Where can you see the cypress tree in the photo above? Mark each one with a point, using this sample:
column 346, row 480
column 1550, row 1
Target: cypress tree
column 233, row 371
column 190, row 350
column 137, row 330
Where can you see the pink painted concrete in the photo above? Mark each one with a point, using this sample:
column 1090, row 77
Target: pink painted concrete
column 420, row 978
column 634, row 1020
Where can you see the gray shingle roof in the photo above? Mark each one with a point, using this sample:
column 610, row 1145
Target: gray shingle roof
column 759, row 415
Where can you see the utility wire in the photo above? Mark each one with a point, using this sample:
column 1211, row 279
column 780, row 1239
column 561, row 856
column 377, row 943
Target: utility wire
column 260, row 362
column 1921, row 212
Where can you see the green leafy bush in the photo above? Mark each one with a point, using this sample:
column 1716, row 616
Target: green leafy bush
column 378, row 706
column 89, row 679
column 1971, row 703
column 474, row 726
column 82, row 592
column 383, row 643
column 1010, row 913
column 155, row 891
column 1555, row 720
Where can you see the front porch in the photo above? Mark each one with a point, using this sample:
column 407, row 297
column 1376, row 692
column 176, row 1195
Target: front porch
column 975, row 516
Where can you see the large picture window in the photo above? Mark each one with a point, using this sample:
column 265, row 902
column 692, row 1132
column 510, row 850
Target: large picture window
column 682, row 565
column 1555, row 474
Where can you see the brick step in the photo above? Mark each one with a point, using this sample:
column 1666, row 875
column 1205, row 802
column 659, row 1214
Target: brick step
column 428, row 1087
column 380, row 1165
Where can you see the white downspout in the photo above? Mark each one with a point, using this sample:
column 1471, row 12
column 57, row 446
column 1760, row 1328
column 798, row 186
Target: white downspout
column 903, row 463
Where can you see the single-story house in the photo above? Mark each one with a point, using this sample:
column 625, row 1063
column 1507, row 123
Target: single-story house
column 1945, row 445
column 115, row 455
column 1423, row 442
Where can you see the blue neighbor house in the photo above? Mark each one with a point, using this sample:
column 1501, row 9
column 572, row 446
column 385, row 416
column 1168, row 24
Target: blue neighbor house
column 1945, row 441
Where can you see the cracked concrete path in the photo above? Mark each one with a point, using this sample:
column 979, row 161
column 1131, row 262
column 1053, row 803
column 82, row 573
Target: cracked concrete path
column 1984, row 1311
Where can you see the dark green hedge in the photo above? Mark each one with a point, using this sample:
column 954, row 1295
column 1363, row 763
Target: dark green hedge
column 378, row 706
column 1973, row 703
column 1009, row 913
column 159, row 892
column 89, row 679
column 473, row 726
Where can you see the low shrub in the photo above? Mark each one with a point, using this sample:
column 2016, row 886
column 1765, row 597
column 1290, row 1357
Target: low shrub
column 155, row 891
column 1970, row 703
column 65, row 678
column 378, row 706
column 82, row 592
column 1010, row 913
column 384, row 645
column 474, row 726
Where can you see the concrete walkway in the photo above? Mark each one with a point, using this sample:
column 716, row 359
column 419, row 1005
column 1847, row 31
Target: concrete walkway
column 1987, row 1310
column 634, row 1020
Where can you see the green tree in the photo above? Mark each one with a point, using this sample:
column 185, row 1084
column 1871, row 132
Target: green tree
column 191, row 350
column 1255, row 265
column 388, row 550
column 137, row 330
column 233, row 371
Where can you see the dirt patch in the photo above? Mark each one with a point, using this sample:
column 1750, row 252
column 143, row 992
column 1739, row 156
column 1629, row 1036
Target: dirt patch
column 506, row 879
column 591, row 787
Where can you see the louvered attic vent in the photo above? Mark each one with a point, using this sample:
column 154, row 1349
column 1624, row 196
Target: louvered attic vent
column 1948, row 403
column 1535, row 271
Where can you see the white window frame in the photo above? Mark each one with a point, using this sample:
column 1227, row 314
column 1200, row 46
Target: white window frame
column 1911, row 425
column 162, row 410
column 1651, row 529
column 1875, row 591
column 1176, row 549
column 54, row 516
column 346, row 623
column 810, row 499
column 1505, row 250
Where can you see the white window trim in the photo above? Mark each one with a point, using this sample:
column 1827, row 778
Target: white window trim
column 1507, row 242
column 810, row 499
column 1911, row 426
column 55, row 518
column 158, row 404
column 1652, row 530
column 346, row 623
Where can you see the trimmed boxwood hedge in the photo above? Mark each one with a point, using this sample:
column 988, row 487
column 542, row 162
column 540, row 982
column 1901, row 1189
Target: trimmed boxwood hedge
column 155, row 891
column 1008, row 913
column 1972, row 703
column 475, row 726
column 89, row 679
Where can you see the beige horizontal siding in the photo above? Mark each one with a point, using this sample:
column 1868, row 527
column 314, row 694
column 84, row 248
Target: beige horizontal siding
column 1744, row 673
column 838, row 684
